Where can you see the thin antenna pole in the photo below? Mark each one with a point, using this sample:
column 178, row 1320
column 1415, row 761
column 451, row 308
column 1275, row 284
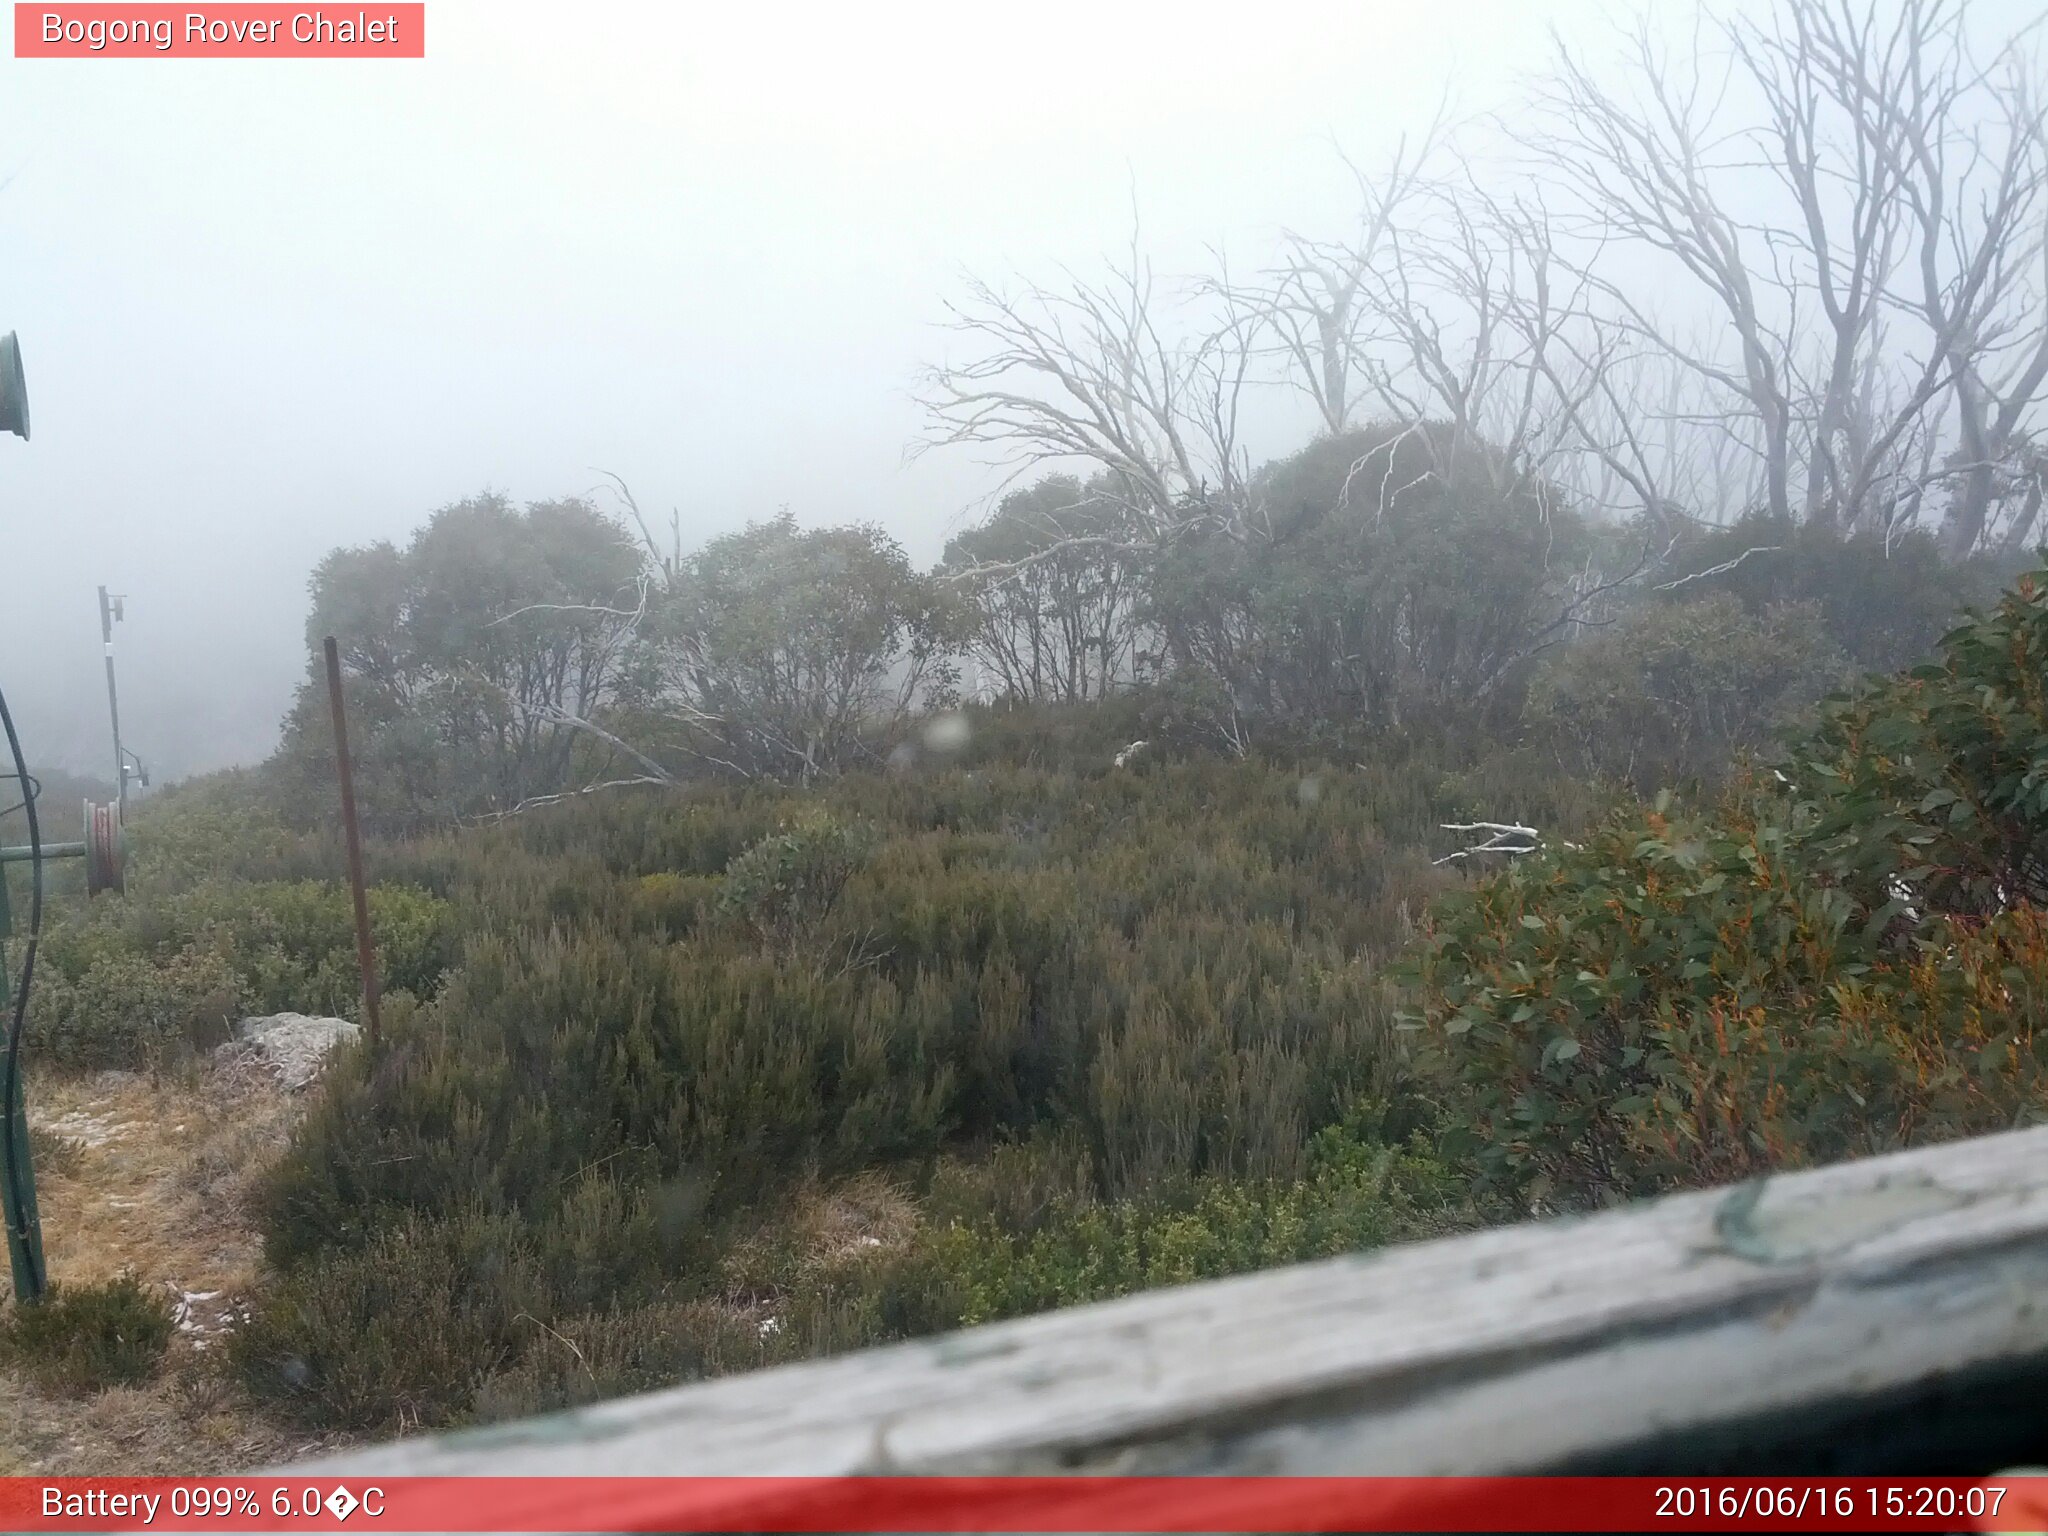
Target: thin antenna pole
column 366, row 954
column 113, row 705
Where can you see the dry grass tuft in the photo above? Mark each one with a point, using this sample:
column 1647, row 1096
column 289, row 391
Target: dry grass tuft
column 823, row 1230
column 847, row 1221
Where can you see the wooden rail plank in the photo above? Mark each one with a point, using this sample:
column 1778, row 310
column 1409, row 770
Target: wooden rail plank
column 1513, row 1349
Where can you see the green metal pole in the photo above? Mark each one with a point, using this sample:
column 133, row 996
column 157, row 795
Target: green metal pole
column 24, row 1224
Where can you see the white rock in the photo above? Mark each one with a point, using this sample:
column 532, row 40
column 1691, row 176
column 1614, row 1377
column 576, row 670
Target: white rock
column 295, row 1045
column 87, row 1128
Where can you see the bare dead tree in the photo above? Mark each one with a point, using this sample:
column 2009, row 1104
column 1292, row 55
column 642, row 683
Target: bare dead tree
column 1450, row 306
column 1649, row 436
column 1646, row 168
column 1095, row 373
column 1313, row 298
column 1889, row 284
column 1972, row 144
column 1840, row 169
column 1482, row 327
column 663, row 563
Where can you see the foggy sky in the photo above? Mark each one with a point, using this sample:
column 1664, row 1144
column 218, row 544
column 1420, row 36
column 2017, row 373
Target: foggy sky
column 269, row 307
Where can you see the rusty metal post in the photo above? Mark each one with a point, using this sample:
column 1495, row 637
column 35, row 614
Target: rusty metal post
column 366, row 954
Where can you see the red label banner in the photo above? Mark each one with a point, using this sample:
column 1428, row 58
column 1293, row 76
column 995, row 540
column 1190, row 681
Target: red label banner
column 239, row 31
column 1052, row 1504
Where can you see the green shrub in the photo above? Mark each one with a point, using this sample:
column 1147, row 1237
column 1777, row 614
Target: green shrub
column 294, row 943
column 1399, row 575
column 133, row 981
column 84, row 1338
column 1682, row 1001
column 1884, row 599
column 1927, row 794
column 1021, row 1231
column 374, row 1339
column 672, row 905
column 399, row 1334
column 211, row 829
column 1845, row 956
column 1113, row 991
column 1355, row 1197
column 1561, row 996
column 1016, row 951
column 1673, row 692
column 783, row 886
column 133, row 1011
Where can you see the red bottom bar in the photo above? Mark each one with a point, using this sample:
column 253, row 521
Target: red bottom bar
column 1052, row 1504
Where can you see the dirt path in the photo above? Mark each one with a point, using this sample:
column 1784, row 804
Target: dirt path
column 152, row 1177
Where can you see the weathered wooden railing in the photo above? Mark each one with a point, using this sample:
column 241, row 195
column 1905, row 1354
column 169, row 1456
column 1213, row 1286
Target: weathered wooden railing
column 1884, row 1315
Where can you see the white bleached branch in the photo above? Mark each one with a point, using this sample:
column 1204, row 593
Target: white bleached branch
column 1506, row 837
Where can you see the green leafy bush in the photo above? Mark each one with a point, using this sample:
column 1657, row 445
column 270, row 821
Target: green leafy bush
column 132, row 1010
column 783, row 886
column 1682, row 1001
column 390, row 1337
column 1398, row 574
column 795, row 653
column 1928, row 793
column 1844, row 956
column 460, row 653
column 221, row 826
column 84, row 1338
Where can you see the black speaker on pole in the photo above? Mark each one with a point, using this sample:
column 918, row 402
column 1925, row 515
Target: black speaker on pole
column 13, row 388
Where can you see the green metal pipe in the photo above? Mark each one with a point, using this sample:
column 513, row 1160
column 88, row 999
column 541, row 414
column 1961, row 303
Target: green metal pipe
column 50, row 851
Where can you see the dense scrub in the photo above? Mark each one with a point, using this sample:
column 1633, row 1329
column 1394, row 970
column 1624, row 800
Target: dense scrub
column 1091, row 1051
column 1675, row 693
column 691, row 1078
